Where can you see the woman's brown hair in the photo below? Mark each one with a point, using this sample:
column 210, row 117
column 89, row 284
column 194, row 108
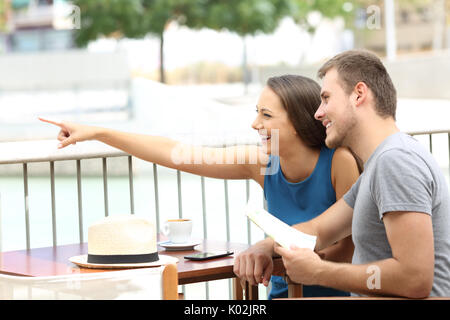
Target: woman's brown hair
column 300, row 97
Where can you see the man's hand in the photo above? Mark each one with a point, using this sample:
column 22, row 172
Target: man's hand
column 302, row 265
column 72, row 133
column 255, row 265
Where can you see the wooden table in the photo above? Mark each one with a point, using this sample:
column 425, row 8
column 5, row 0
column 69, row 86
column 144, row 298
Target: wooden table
column 52, row 261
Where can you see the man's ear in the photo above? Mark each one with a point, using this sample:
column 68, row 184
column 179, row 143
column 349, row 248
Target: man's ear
column 361, row 90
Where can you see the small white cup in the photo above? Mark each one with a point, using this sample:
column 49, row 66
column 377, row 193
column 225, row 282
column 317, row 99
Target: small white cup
column 178, row 230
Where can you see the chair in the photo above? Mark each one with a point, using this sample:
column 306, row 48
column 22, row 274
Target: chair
column 249, row 292
column 159, row 283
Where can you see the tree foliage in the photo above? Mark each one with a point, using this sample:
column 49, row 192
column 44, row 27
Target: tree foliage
column 243, row 17
column 138, row 18
column 3, row 15
column 327, row 8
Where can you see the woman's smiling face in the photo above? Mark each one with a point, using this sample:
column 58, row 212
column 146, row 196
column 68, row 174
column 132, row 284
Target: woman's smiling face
column 272, row 123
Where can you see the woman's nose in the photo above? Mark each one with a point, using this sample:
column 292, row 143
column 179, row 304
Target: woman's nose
column 256, row 124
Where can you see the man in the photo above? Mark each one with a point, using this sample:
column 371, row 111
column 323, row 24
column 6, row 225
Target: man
column 398, row 211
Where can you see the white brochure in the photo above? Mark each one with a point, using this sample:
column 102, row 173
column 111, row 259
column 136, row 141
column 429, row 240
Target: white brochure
column 279, row 231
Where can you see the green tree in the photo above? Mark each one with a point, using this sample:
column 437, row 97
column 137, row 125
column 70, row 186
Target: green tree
column 131, row 19
column 327, row 8
column 4, row 9
column 137, row 18
column 245, row 18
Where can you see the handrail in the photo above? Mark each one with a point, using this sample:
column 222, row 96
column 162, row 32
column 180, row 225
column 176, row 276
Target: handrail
column 420, row 132
column 46, row 150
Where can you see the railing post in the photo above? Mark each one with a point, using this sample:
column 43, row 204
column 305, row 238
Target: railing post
column 205, row 226
column 227, row 210
column 105, row 186
column 27, row 206
column 180, row 202
column 52, row 187
column 80, row 202
column 247, row 192
column 430, row 139
column 130, row 180
column 155, row 183
column 180, row 210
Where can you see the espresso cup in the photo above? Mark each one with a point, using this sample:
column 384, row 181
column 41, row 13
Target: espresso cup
column 178, row 230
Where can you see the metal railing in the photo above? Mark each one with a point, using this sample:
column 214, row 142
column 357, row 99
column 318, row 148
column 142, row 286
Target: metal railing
column 38, row 151
column 45, row 151
column 430, row 134
column 13, row 153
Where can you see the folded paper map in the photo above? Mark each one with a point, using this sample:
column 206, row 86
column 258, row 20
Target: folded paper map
column 279, row 231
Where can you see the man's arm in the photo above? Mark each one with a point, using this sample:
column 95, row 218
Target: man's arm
column 332, row 225
column 409, row 273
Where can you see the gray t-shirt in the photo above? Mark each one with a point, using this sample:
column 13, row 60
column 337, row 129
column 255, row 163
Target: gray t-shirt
column 401, row 175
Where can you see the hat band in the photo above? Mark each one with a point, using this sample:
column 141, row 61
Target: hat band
column 122, row 258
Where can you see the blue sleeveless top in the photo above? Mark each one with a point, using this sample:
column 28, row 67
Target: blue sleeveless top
column 299, row 202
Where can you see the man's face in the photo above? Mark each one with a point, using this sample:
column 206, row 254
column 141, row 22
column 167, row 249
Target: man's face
column 335, row 112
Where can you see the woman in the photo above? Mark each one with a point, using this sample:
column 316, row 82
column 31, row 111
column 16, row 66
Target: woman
column 309, row 177
column 300, row 176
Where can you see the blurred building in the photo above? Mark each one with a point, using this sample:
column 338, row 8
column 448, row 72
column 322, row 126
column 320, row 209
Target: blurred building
column 419, row 26
column 43, row 73
column 36, row 25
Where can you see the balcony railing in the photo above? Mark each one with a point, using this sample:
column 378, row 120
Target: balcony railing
column 44, row 151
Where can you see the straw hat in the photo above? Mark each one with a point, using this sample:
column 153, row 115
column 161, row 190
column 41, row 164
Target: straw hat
column 123, row 241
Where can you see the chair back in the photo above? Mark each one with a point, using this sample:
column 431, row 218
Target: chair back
column 133, row 284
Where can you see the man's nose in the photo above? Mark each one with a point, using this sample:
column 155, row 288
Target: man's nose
column 319, row 113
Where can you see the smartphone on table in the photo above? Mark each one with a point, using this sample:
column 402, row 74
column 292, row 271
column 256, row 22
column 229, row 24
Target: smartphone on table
column 208, row 255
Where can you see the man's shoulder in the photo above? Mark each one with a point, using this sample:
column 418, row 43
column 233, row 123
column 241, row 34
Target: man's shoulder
column 408, row 162
column 404, row 149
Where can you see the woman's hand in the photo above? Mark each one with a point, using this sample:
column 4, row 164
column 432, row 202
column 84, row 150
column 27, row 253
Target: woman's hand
column 255, row 265
column 71, row 133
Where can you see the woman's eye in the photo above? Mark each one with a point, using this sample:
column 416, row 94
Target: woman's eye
column 264, row 114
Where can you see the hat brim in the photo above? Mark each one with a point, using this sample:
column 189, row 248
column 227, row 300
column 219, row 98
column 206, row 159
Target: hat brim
column 82, row 262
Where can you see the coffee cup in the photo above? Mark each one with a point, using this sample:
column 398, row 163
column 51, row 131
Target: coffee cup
column 178, row 230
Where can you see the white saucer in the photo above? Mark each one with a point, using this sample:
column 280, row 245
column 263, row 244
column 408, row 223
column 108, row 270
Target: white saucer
column 82, row 262
column 170, row 246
